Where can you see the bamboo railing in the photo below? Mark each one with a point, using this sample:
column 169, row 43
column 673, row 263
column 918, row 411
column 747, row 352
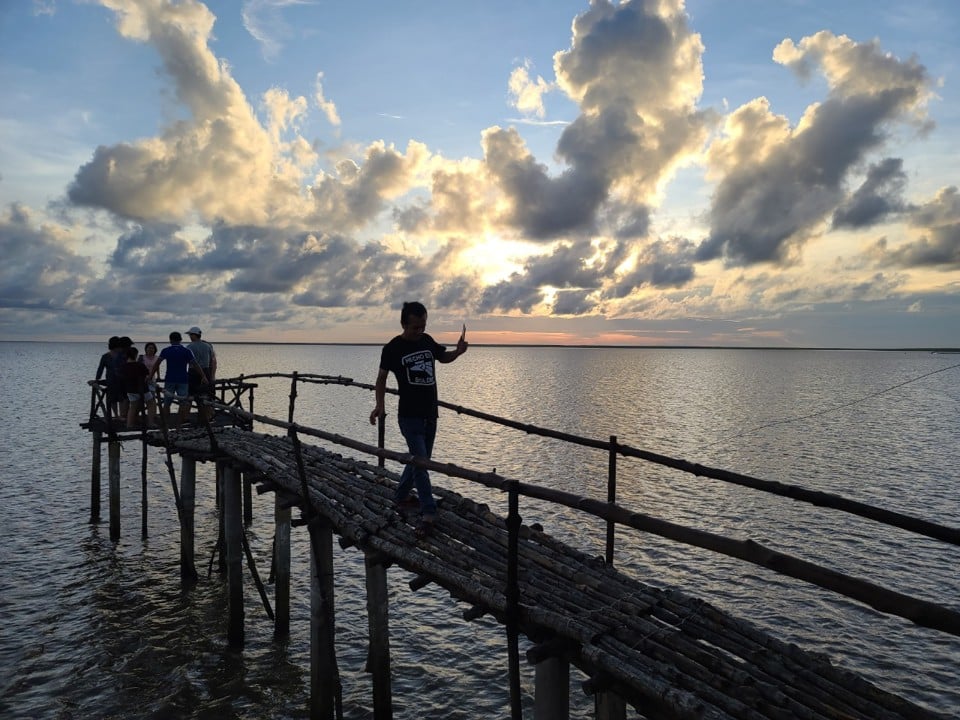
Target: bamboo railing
column 921, row 612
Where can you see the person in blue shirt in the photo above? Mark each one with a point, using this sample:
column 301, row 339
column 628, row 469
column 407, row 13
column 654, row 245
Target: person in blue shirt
column 176, row 383
column 410, row 356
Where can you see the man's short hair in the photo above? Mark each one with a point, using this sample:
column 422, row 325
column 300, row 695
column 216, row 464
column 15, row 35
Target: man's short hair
column 175, row 337
column 411, row 308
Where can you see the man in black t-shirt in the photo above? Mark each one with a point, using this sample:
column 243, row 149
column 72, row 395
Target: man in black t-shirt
column 410, row 357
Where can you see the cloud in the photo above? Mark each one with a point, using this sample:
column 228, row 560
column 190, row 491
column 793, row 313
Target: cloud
column 232, row 209
column 263, row 20
column 938, row 245
column 39, row 270
column 777, row 183
column 880, row 196
column 526, row 95
column 327, row 106
column 220, row 163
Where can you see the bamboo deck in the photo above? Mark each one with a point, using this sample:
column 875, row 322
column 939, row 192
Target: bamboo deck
column 667, row 654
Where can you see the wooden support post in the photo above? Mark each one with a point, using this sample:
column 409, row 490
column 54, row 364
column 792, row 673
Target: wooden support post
column 378, row 652
column 222, row 556
column 611, row 495
column 188, row 495
column 281, row 566
column 381, row 437
column 552, row 689
column 113, row 472
column 95, row 478
column 610, row 706
column 233, row 541
column 247, row 501
column 143, row 487
column 324, row 676
column 513, row 598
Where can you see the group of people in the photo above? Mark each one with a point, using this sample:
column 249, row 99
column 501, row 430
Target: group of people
column 191, row 370
column 130, row 377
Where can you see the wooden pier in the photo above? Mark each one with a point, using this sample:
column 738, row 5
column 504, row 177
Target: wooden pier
column 661, row 652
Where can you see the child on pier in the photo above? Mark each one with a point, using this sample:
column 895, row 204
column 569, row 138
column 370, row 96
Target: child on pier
column 134, row 374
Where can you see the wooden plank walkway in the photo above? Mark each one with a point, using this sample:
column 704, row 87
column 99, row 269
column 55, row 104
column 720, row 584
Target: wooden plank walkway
column 665, row 653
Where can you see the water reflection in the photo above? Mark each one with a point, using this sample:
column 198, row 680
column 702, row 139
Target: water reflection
column 93, row 629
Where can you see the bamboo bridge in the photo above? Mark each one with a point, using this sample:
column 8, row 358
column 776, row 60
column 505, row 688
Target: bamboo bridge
column 661, row 652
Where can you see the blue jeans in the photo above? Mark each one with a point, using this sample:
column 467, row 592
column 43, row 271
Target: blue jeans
column 419, row 434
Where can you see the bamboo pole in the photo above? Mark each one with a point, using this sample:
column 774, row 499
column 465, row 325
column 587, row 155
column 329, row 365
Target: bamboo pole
column 143, row 485
column 513, row 600
column 188, row 484
column 95, row 477
column 378, row 655
column 552, row 689
column 324, row 675
column 611, row 495
column 255, row 575
column 281, row 566
column 233, row 541
column 113, row 469
column 247, row 501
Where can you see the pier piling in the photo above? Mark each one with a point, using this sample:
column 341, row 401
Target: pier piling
column 378, row 653
column 113, row 479
column 233, row 542
column 281, row 566
column 188, row 494
column 95, row 478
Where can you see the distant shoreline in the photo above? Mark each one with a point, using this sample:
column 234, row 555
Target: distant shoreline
column 936, row 350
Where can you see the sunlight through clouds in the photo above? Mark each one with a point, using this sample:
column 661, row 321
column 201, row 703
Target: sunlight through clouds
column 270, row 185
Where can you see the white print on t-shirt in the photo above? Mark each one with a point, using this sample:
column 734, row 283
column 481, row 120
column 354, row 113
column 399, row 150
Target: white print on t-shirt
column 419, row 367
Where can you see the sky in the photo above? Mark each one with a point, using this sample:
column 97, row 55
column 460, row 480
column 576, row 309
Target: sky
column 645, row 172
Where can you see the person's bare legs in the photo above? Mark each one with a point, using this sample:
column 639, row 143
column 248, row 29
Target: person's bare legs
column 184, row 415
column 132, row 407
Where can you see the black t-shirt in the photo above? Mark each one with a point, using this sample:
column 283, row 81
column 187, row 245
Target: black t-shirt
column 412, row 362
column 133, row 376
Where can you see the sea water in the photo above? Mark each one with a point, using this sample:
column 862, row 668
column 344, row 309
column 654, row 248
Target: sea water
column 92, row 629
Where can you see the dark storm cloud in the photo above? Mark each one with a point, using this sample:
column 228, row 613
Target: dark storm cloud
column 572, row 302
column 565, row 268
column 514, row 293
column 880, row 195
column 38, row 270
column 152, row 249
column 544, row 208
column 267, row 260
column 939, row 244
column 663, row 264
column 780, row 184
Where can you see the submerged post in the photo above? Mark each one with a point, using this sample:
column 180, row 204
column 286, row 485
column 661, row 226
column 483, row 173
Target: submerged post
column 378, row 654
column 188, row 494
column 281, row 566
column 95, row 478
column 143, row 485
column 324, row 676
column 610, row 706
column 233, row 542
column 247, row 501
column 513, row 598
column 113, row 471
column 552, row 689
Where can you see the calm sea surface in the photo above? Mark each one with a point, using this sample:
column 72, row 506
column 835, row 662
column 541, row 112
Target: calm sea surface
column 93, row 629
